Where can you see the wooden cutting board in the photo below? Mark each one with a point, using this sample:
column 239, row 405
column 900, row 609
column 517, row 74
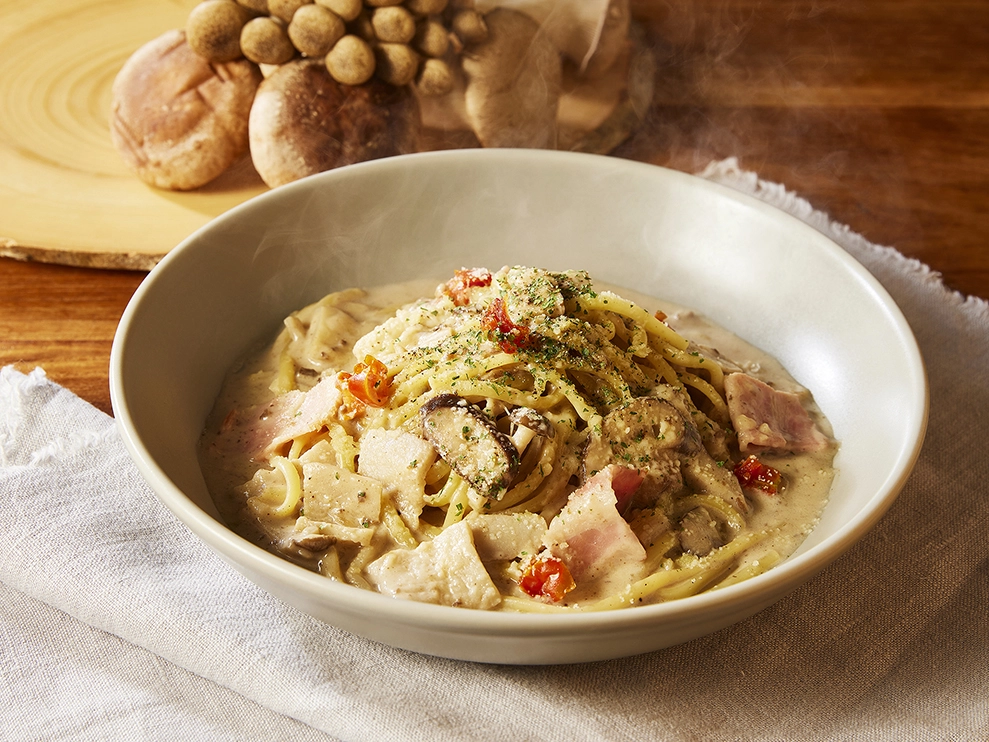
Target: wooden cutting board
column 65, row 195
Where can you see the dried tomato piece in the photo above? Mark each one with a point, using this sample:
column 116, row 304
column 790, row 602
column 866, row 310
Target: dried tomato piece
column 510, row 337
column 370, row 382
column 546, row 576
column 754, row 474
column 458, row 288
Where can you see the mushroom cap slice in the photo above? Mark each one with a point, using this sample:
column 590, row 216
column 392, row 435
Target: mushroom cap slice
column 470, row 443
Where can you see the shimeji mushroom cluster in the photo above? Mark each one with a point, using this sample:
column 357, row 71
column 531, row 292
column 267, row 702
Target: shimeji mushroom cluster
column 400, row 42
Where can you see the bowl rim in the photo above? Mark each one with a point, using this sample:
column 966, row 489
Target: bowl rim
column 782, row 578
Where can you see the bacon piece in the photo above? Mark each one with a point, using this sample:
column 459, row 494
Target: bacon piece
column 593, row 540
column 625, row 483
column 458, row 288
column 767, row 419
column 259, row 430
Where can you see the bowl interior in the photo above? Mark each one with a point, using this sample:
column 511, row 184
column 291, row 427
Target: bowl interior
column 762, row 274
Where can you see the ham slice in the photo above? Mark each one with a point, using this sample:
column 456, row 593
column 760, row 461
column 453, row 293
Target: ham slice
column 598, row 546
column 258, row 431
column 767, row 419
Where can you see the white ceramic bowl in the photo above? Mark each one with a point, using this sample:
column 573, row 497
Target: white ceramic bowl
column 762, row 274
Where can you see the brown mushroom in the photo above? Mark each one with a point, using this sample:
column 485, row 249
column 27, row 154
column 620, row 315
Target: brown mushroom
column 304, row 122
column 426, row 7
column 351, row 61
column 699, row 534
column 256, row 6
column 314, row 30
column 612, row 39
column 362, row 28
column 535, row 421
column 469, row 26
column 265, row 41
column 213, row 29
column 346, row 9
column 396, row 64
column 470, row 443
column 435, row 78
column 431, row 38
column 393, row 25
column 285, row 9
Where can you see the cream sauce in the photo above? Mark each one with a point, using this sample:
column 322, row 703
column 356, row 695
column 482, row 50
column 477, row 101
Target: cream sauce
column 249, row 384
column 807, row 477
column 790, row 515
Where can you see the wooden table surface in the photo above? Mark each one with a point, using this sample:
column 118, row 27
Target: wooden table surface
column 876, row 111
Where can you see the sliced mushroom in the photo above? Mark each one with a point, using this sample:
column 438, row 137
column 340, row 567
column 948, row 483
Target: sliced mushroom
column 470, row 443
column 527, row 417
column 656, row 437
column 699, row 532
column 313, row 541
column 649, row 435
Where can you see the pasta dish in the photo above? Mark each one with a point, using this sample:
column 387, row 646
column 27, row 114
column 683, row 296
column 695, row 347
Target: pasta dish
column 519, row 440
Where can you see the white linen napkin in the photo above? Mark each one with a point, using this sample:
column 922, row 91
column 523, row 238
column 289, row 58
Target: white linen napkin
column 117, row 622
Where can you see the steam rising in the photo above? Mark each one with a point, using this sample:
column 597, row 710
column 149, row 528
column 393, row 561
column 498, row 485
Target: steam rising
column 387, row 221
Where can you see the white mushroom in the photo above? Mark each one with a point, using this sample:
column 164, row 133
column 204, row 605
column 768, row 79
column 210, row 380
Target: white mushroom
column 177, row 121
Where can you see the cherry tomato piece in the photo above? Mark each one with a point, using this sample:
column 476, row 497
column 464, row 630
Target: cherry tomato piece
column 458, row 288
column 510, row 337
column 754, row 474
column 370, row 382
column 546, row 577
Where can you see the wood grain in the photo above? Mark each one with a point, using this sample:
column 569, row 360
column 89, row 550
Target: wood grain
column 67, row 196
column 877, row 113
column 60, row 58
column 63, row 318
